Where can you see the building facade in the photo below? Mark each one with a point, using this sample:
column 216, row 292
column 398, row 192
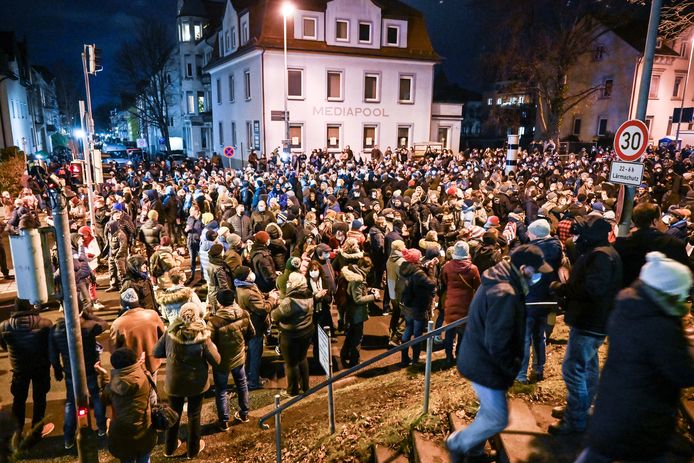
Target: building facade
column 16, row 121
column 44, row 106
column 360, row 74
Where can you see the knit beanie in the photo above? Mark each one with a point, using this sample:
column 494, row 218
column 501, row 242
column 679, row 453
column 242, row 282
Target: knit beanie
column 293, row 263
column 233, row 240
column 295, row 280
column 540, row 228
column 242, row 273
column 413, row 255
column 215, row 250
column 153, row 215
column 397, row 245
column 262, row 237
column 129, row 299
column 189, row 312
column 666, row 275
column 461, row 250
column 207, row 218
column 225, row 297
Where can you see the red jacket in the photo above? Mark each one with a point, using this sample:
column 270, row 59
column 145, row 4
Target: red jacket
column 459, row 280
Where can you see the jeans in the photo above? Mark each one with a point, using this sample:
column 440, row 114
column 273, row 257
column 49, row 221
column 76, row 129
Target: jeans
column 140, row 459
column 255, row 358
column 448, row 341
column 535, row 326
column 591, row 456
column 221, row 379
column 491, row 419
column 40, row 380
column 194, row 428
column 193, row 252
column 84, row 296
column 413, row 329
column 349, row 354
column 581, row 373
column 70, row 424
column 394, row 317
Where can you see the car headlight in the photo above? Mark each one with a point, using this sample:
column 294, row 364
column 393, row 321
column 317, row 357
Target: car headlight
column 129, row 163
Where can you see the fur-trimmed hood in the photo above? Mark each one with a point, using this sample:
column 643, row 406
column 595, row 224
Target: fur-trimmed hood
column 175, row 296
column 353, row 274
column 188, row 333
column 355, row 256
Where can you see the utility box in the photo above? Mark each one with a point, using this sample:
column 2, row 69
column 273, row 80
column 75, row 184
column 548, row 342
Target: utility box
column 31, row 258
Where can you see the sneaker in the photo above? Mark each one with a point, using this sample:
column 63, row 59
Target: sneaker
column 7, row 276
column 98, row 305
column 239, row 419
column 173, row 454
column 102, row 432
column 539, row 377
column 222, row 425
column 69, row 444
column 202, row 447
column 562, row 428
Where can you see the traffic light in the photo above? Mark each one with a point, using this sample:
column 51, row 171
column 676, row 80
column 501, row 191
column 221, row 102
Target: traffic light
column 94, row 55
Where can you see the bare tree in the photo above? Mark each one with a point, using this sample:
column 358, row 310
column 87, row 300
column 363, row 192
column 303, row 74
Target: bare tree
column 68, row 88
column 142, row 66
column 677, row 17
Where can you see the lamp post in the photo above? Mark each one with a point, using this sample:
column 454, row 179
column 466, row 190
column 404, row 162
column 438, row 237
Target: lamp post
column 287, row 10
column 684, row 90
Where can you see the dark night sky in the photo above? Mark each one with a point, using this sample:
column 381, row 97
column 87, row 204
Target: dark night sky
column 57, row 29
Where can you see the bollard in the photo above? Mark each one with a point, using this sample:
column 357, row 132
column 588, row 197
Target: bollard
column 278, row 430
column 427, row 370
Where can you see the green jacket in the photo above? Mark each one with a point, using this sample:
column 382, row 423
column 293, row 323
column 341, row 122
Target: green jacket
column 230, row 327
column 359, row 297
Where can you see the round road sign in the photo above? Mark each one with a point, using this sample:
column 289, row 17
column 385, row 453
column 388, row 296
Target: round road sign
column 229, row 151
column 631, row 140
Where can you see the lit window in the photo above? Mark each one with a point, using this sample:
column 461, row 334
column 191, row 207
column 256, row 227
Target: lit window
column 185, row 32
column 371, row 88
column 201, row 101
column 342, row 30
column 655, row 83
column 393, row 35
column 404, row 136
column 521, row 99
column 333, row 136
column 607, row 88
column 190, row 99
column 198, row 31
column 334, row 85
column 490, row 101
column 364, row 32
column 406, row 93
column 231, row 88
column 247, row 84
column 309, row 25
column 369, row 136
column 295, row 138
column 499, row 101
column 294, row 84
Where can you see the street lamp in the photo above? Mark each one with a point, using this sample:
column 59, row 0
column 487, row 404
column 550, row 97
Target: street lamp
column 287, row 10
column 684, row 90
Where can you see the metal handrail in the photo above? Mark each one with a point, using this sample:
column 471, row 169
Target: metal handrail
column 359, row 367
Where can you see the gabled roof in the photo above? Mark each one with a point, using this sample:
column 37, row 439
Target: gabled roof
column 266, row 31
column 210, row 9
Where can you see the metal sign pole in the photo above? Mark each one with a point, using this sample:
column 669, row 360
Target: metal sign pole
column 427, row 370
column 278, row 430
column 331, row 404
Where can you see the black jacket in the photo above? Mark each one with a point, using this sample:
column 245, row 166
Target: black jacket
column 91, row 327
column 418, row 293
column 264, row 267
column 540, row 292
column 648, row 363
column 633, row 249
column 140, row 283
column 492, row 347
column 151, row 233
column 25, row 336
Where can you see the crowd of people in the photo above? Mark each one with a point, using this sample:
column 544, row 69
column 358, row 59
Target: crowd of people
column 443, row 237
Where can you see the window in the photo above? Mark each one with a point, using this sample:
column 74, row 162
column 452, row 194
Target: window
column 442, row 134
column 342, row 30
column 185, row 32
column 677, row 86
column 247, row 84
column 221, row 133
column 655, row 83
column 607, row 88
column 198, row 31
column 334, row 85
column 218, row 83
column 599, row 53
column 295, row 138
column 233, row 38
column 309, row 25
column 12, row 108
column 201, row 101
column 576, row 126
column 294, row 84
column 249, row 133
column 392, row 35
column 602, row 126
column 244, row 32
column 403, row 136
column 521, row 99
column 333, row 136
column 499, row 101
column 227, row 40
column 189, row 67
column 364, row 32
column 669, row 125
column 190, row 99
column 406, row 89
column 231, row 88
column 649, row 122
column 659, row 42
column 171, row 121
column 490, row 101
column 203, row 138
column 369, row 136
column 683, row 48
column 371, row 88
column 233, row 133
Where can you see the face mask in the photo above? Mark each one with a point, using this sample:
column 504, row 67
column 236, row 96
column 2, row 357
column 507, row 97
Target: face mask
column 251, row 278
column 261, row 208
column 239, row 212
column 314, row 274
column 325, row 256
column 356, row 195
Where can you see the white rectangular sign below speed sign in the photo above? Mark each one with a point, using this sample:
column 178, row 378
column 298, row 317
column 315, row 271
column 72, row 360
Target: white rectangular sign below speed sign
column 626, row 173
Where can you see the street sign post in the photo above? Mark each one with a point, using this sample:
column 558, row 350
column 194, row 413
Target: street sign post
column 326, row 361
column 626, row 173
column 631, row 140
column 229, row 151
column 142, row 143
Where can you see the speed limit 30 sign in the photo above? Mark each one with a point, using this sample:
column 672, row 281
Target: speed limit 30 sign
column 631, row 140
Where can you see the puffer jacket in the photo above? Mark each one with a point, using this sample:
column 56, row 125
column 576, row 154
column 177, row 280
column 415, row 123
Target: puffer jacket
column 357, row 310
column 264, row 267
column 418, row 293
column 25, row 336
column 295, row 312
column 189, row 351
column 217, row 279
column 172, row 299
column 230, row 328
column 151, row 233
column 345, row 258
column 140, row 283
column 130, row 433
column 59, row 354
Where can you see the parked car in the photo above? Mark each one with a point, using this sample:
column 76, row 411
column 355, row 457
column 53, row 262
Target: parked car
column 115, row 154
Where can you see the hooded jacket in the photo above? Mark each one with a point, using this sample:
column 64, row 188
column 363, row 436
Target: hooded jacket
column 459, row 281
column 357, row 310
column 393, row 273
column 418, row 293
column 492, row 347
column 25, row 336
column 254, row 302
column 189, row 351
column 264, row 267
column 346, row 257
column 140, row 282
column 130, row 433
column 172, row 299
column 230, row 328
column 295, row 312
column 540, row 292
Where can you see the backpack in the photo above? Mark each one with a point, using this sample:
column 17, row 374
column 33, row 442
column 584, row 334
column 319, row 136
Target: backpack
column 341, row 292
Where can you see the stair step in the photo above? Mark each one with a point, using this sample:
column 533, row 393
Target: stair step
column 383, row 454
column 428, row 451
column 515, row 443
column 457, row 423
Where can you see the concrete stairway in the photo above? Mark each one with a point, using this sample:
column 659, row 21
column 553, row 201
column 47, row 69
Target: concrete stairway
column 383, row 454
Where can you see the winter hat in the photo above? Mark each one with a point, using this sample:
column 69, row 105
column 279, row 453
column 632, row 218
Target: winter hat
column 233, row 240
column 123, row 357
column 397, row 245
column 540, row 228
column 153, row 215
column 461, row 250
column 490, row 237
column 351, row 245
column 610, row 216
column 189, row 313
column 207, row 218
column 357, row 225
column 129, row 299
column 295, row 281
column 492, row 221
column 529, row 254
column 165, row 240
column 293, row 263
column 413, row 255
column 225, row 297
column 274, row 231
column 222, row 231
column 322, row 248
column 118, row 207
column 598, row 206
column 281, row 217
column 242, row 273
column 262, row 237
column 666, row 275
column 215, row 250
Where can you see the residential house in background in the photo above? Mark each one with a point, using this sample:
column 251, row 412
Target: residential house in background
column 16, row 122
column 46, row 114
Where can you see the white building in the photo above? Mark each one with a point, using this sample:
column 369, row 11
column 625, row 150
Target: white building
column 15, row 80
column 615, row 68
column 360, row 73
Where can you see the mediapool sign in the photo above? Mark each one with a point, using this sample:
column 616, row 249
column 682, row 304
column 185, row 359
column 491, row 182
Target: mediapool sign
column 339, row 111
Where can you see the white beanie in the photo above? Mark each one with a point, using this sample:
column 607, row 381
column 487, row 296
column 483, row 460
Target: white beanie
column 461, row 251
column 540, row 228
column 666, row 275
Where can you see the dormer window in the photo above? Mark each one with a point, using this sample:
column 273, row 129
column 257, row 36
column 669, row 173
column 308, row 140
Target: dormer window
column 393, row 35
column 364, row 32
column 342, row 30
column 309, row 28
column 244, row 31
column 198, row 31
